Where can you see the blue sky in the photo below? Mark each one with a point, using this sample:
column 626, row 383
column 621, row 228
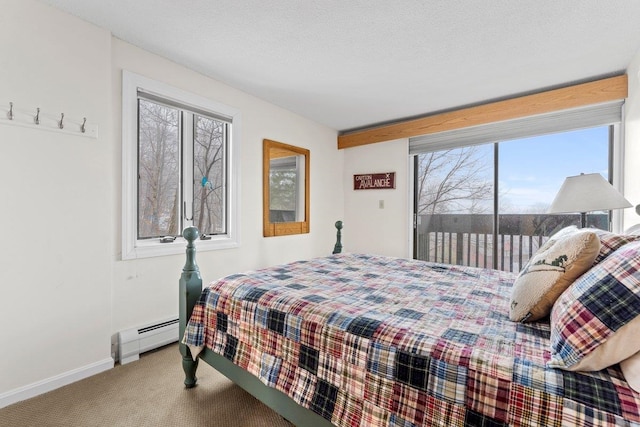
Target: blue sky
column 533, row 169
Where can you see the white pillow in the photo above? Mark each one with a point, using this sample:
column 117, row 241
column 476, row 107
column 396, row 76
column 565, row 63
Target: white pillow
column 631, row 371
column 634, row 229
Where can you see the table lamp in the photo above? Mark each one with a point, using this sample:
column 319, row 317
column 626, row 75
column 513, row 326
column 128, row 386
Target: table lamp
column 585, row 193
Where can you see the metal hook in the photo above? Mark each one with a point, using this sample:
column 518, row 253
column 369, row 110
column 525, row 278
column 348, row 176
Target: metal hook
column 60, row 124
column 10, row 112
column 36, row 119
column 82, row 128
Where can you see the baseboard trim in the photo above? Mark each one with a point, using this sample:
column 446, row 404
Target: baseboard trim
column 32, row 390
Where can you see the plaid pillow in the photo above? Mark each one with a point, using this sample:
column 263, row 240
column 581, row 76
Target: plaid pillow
column 596, row 322
column 609, row 242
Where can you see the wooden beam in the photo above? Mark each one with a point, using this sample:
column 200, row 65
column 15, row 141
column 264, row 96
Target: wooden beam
column 596, row 92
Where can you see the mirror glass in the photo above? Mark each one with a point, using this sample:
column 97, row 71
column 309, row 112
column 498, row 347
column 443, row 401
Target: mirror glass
column 285, row 188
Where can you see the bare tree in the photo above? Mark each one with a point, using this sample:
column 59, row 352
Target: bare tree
column 158, row 168
column 160, row 176
column 282, row 190
column 209, row 174
column 453, row 180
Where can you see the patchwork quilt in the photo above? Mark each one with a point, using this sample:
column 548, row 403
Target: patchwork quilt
column 368, row 340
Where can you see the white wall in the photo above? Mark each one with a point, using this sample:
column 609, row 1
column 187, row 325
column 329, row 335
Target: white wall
column 55, row 277
column 367, row 227
column 135, row 280
column 64, row 292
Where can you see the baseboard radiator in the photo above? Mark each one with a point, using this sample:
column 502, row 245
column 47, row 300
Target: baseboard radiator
column 133, row 342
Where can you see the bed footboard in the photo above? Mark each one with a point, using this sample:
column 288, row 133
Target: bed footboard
column 190, row 288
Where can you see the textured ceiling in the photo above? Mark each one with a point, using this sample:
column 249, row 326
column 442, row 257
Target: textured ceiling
column 354, row 63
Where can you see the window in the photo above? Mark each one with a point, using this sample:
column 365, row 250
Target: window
column 481, row 193
column 464, row 194
column 179, row 169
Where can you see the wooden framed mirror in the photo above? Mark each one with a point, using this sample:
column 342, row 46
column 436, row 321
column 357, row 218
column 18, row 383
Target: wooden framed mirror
column 285, row 183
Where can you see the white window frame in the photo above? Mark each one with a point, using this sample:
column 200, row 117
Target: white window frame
column 132, row 247
column 617, row 172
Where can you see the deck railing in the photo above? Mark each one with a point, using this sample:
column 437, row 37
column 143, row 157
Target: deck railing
column 469, row 239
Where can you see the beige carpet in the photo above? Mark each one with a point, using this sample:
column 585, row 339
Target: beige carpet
column 148, row 392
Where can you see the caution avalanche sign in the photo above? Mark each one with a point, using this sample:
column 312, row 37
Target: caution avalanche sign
column 373, row 181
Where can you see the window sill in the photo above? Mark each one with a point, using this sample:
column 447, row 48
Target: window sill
column 153, row 248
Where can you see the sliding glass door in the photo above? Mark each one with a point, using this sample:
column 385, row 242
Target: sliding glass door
column 454, row 192
column 485, row 205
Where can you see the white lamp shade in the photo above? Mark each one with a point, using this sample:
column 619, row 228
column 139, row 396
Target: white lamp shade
column 586, row 193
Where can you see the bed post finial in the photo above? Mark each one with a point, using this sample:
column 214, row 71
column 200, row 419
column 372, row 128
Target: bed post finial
column 338, row 246
column 190, row 290
column 190, row 234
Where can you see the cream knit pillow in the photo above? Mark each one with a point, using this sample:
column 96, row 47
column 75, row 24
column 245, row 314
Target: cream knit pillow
column 562, row 259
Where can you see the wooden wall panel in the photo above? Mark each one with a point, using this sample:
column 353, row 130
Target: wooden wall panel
column 595, row 92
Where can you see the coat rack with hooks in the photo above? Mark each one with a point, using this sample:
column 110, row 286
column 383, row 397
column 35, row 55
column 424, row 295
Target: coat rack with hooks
column 13, row 115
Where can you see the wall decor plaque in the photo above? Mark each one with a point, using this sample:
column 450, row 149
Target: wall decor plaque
column 374, row 181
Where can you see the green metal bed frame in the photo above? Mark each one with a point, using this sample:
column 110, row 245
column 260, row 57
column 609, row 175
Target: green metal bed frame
column 190, row 290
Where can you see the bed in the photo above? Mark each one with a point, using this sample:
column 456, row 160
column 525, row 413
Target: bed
column 366, row 340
